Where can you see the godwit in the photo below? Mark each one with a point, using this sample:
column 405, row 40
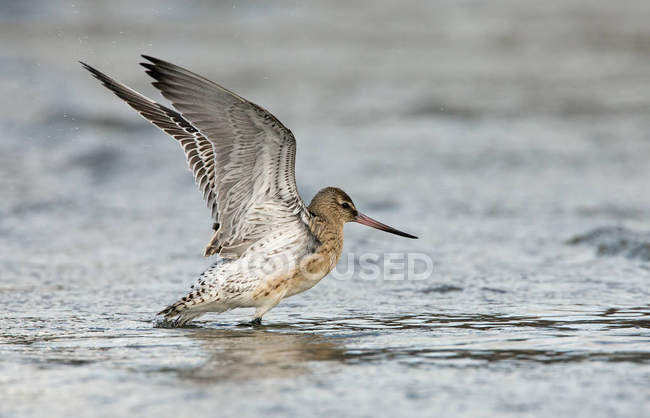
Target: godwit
column 270, row 244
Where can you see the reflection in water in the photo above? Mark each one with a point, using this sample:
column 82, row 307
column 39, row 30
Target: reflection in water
column 458, row 340
column 285, row 350
column 258, row 353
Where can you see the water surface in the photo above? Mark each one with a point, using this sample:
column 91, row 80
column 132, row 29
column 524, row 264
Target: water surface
column 502, row 135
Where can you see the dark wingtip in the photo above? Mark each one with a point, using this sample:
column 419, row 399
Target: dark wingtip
column 154, row 60
column 152, row 67
column 86, row 66
column 96, row 73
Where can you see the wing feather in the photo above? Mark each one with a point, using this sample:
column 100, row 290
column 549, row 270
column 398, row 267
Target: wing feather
column 254, row 155
column 197, row 148
column 242, row 157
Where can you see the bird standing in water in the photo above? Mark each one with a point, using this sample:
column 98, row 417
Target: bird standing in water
column 270, row 244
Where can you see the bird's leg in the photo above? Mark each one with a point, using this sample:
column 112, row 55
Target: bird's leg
column 261, row 310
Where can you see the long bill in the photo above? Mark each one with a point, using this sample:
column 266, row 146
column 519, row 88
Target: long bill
column 367, row 220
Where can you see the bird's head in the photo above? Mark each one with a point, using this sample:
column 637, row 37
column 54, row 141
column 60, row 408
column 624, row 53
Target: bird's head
column 337, row 207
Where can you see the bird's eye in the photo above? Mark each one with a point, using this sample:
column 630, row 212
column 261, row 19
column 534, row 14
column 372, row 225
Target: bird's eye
column 345, row 205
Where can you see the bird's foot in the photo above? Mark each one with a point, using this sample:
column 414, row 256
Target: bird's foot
column 256, row 322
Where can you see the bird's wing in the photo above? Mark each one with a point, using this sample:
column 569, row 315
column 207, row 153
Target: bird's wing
column 241, row 156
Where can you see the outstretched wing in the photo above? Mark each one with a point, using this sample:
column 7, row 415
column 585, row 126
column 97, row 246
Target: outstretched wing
column 197, row 148
column 241, row 156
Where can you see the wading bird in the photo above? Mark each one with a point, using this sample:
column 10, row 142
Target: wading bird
column 270, row 244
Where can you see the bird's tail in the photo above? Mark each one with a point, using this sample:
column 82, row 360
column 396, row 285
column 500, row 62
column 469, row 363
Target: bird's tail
column 175, row 315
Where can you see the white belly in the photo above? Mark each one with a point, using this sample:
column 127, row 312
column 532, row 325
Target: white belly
column 304, row 283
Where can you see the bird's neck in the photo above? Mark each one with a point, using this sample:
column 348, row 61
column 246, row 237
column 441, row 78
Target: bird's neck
column 329, row 234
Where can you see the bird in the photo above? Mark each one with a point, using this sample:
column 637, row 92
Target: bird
column 269, row 243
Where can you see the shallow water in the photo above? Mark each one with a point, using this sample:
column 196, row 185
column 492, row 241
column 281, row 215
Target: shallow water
column 499, row 134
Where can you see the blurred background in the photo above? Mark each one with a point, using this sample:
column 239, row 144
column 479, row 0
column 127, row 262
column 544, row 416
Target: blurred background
column 513, row 137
